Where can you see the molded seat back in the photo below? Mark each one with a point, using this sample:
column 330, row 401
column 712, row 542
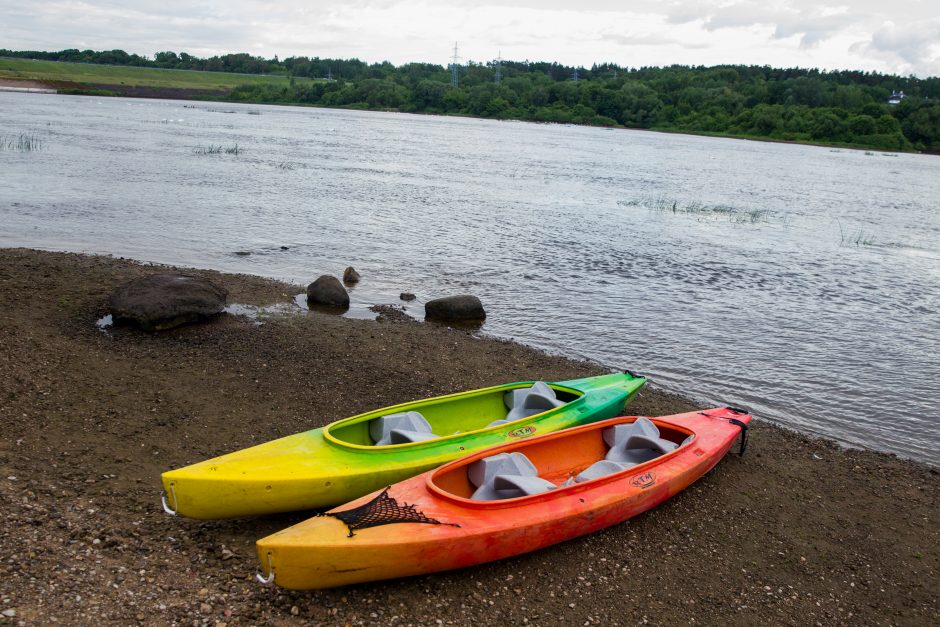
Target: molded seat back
column 636, row 443
column 483, row 470
column 409, row 424
column 505, row 476
column 619, row 433
column 528, row 402
column 601, row 469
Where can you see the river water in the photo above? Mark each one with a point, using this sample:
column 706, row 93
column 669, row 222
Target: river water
column 800, row 282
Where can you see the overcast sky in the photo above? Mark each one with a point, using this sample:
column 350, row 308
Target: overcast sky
column 896, row 36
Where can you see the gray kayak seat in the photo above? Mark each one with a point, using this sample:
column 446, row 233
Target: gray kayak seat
column 630, row 444
column 512, row 486
column 526, row 402
column 400, row 428
column 620, row 433
column 600, row 469
column 505, row 476
column 636, row 442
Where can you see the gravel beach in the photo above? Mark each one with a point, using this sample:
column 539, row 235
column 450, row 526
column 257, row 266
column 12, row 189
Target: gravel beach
column 797, row 531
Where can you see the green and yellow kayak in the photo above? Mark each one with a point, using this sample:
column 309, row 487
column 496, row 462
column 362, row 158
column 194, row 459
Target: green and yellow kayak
column 342, row 461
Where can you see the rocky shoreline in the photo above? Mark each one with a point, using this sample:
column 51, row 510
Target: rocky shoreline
column 798, row 531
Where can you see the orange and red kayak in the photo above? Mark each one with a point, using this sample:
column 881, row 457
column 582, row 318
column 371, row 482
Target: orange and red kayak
column 436, row 521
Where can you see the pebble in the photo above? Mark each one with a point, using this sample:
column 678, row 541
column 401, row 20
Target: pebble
column 11, row 613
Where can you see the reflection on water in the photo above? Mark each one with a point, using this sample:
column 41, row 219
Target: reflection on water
column 798, row 281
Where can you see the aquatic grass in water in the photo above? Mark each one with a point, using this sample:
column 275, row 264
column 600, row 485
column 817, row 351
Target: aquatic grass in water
column 665, row 204
column 24, row 142
column 857, row 238
column 217, row 150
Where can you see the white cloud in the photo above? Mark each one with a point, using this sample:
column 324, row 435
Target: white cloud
column 895, row 36
column 914, row 48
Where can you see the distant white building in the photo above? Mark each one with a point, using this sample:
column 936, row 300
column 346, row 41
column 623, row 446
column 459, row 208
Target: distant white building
column 896, row 97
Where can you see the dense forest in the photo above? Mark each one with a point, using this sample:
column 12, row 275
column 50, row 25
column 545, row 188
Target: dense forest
column 833, row 107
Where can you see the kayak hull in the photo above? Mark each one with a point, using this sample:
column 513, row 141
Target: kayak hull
column 331, row 465
column 321, row 553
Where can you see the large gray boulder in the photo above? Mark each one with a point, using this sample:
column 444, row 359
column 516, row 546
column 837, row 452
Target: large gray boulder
column 163, row 301
column 327, row 291
column 463, row 308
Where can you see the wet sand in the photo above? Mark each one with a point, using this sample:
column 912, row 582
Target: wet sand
column 798, row 531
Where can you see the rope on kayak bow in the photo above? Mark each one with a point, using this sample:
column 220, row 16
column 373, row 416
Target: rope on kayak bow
column 169, row 510
column 382, row 510
column 270, row 578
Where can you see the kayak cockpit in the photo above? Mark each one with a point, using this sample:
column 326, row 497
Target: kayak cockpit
column 558, row 461
column 449, row 416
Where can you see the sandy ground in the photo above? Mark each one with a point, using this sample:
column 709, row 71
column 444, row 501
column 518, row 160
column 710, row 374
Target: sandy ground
column 798, row 531
column 24, row 84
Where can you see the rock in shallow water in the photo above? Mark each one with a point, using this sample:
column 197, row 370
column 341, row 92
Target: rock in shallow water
column 463, row 308
column 327, row 291
column 163, row 301
column 350, row 275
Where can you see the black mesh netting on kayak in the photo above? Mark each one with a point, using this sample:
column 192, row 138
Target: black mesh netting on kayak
column 382, row 510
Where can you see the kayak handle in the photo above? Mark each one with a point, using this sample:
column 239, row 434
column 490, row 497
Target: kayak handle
column 265, row 580
column 743, row 427
column 270, row 578
column 169, row 510
column 633, row 374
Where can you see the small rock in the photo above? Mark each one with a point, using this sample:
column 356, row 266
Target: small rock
column 327, row 291
column 295, row 610
column 242, row 253
column 350, row 275
column 11, row 613
column 285, row 247
column 462, row 308
column 407, row 296
column 205, row 608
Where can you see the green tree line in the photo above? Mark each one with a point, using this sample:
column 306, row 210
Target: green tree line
column 791, row 104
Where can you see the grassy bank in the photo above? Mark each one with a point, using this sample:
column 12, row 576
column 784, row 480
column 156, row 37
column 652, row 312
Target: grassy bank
column 79, row 74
